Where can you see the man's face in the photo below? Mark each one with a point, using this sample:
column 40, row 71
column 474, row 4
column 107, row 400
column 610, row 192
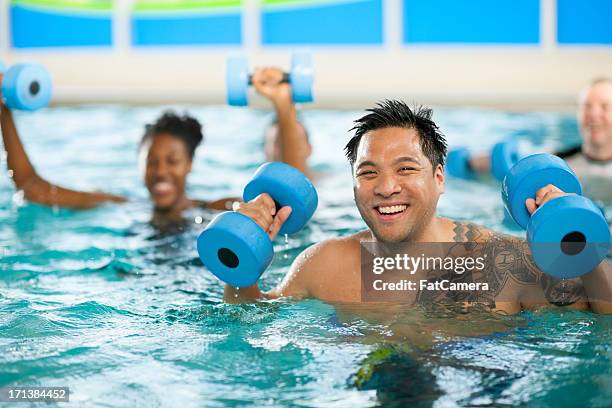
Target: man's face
column 166, row 164
column 595, row 115
column 396, row 188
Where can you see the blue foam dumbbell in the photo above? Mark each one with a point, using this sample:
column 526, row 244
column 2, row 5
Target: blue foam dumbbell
column 26, row 86
column 234, row 247
column 568, row 236
column 457, row 163
column 504, row 155
column 238, row 79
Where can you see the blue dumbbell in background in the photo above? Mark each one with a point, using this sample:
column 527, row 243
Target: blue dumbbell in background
column 26, row 86
column 503, row 155
column 568, row 236
column 234, row 247
column 238, row 79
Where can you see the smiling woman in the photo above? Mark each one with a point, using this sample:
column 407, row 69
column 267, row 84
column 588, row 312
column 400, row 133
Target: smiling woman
column 166, row 154
column 166, row 150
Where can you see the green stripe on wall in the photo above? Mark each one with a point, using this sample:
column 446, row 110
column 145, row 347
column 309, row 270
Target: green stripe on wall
column 89, row 5
column 180, row 5
column 299, row 3
column 273, row 2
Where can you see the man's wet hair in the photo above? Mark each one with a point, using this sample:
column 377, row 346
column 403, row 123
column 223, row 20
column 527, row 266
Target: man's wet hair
column 395, row 113
column 184, row 127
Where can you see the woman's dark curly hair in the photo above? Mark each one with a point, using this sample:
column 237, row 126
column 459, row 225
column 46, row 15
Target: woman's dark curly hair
column 184, row 127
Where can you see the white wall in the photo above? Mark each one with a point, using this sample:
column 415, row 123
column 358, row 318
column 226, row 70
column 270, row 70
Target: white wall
column 519, row 77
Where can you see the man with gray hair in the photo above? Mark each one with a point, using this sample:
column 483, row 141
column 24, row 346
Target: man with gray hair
column 592, row 160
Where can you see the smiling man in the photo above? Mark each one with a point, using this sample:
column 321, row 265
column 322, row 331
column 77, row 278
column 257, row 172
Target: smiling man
column 397, row 158
column 592, row 159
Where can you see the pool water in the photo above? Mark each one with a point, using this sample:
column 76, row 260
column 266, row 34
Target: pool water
column 126, row 315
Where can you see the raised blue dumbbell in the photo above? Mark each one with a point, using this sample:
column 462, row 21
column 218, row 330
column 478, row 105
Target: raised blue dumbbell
column 26, row 86
column 568, row 236
column 234, row 247
column 504, row 155
column 238, row 79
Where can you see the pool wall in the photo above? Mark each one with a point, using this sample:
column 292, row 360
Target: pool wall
column 507, row 52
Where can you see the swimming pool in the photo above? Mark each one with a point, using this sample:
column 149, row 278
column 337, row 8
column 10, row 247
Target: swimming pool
column 124, row 315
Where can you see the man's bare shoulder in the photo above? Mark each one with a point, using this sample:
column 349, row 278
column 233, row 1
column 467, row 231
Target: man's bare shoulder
column 335, row 249
column 328, row 270
column 470, row 232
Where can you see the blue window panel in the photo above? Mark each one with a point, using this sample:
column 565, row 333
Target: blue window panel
column 203, row 29
column 38, row 27
column 584, row 21
column 472, row 21
column 324, row 23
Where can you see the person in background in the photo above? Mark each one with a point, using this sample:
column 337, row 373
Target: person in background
column 592, row 160
column 166, row 154
column 286, row 140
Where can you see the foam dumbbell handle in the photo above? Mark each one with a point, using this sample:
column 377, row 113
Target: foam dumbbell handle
column 529, row 175
column 298, row 89
column 238, row 80
column 284, row 80
column 235, row 249
column 288, row 187
column 568, row 237
column 27, row 87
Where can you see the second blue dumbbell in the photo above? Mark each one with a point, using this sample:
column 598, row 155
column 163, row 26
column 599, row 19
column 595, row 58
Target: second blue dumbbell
column 503, row 156
column 238, row 79
column 568, row 236
column 26, row 86
column 234, row 247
